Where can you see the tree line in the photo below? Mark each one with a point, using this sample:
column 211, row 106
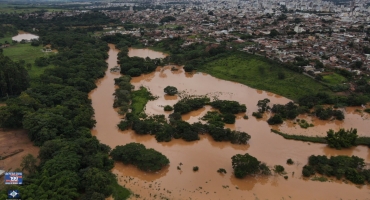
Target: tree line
column 58, row 116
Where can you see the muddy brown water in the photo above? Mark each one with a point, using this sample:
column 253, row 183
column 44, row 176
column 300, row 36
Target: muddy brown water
column 182, row 183
column 24, row 36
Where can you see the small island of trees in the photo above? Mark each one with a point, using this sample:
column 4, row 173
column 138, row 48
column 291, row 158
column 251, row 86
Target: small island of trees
column 350, row 168
column 136, row 154
column 246, row 164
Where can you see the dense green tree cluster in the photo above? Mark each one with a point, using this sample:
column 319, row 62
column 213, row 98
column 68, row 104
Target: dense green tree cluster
column 7, row 30
column 275, row 119
column 167, row 19
column 218, row 119
column 351, row 168
column 320, row 98
column 121, row 41
column 13, row 77
column 328, row 113
column 342, row 138
column 247, row 165
column 289, row 110
column 170, row 90
column 193, row 56
column 263, row 105
column 58, row 116
column 137, row 154
column 186, row 105
column 226, row 106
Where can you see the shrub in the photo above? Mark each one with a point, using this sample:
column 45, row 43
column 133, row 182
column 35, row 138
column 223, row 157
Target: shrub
column 342, row 138
column 276, row 119
column 279, row 169
column 289, row 161
column 168, row 108
column 170, row 90
column 196, row 168
column 258, row 115
column 221, row 170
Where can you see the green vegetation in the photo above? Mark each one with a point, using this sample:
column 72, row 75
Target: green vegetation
column 168, row 108
column 195, row 169
column 289, row 110
column 304, row 124
column 139, row 99
column 58, row 116
column 170, row 90
column 136, row 154
column 258, row 115
column 218, row 119
column 289, row 161
column 328, row 113
column 256, row 72
column 28, row 54
column 14, row 78
column 186, row 105
column 319, row 178
column 276, row 119
column 351, row 168
column 341, row 139
column 246, row 164
column 226, row 106
column 334, row 79
column 119, row 192
column 167, row 19
column 221, row 171
column 317, row 139
column 279, row 169
column 301, row 137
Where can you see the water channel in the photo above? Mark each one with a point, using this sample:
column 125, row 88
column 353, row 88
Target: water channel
column 182, row 183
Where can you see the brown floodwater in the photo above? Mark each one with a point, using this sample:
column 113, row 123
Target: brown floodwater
column 178, row 181
column 24, row 36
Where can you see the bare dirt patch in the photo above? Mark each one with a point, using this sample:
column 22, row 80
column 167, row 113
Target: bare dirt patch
column 14, row 144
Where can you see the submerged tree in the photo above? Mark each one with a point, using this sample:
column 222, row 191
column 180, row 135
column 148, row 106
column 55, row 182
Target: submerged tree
column 246, row 164
column 342, row 138
column 170, row 90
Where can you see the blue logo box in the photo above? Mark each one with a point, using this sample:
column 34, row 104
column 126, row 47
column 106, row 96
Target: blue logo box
column 13, row 178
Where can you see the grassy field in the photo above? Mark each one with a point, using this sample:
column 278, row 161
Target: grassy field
column 119, row 192
column 255, row 72
column 334, row 79
column 8, row 8
column 7, row 38
column 139, row 99
column 27, row 53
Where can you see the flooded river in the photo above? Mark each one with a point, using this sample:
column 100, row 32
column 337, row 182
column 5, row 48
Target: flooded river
column 178, row 181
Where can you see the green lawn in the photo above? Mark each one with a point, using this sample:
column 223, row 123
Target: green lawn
column 28, row 53
column 334, row 79
column 139, row 99
column 7, row 38
column 255, row 72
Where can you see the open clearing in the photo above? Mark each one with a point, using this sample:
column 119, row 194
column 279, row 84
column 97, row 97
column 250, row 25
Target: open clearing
column 253, row 71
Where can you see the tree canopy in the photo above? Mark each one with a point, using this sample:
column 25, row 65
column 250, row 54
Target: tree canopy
column 342, row 138
column 136, row 154
column 246, row 164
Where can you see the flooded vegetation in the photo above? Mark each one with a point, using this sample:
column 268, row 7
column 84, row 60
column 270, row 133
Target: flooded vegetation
column 180, row 181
